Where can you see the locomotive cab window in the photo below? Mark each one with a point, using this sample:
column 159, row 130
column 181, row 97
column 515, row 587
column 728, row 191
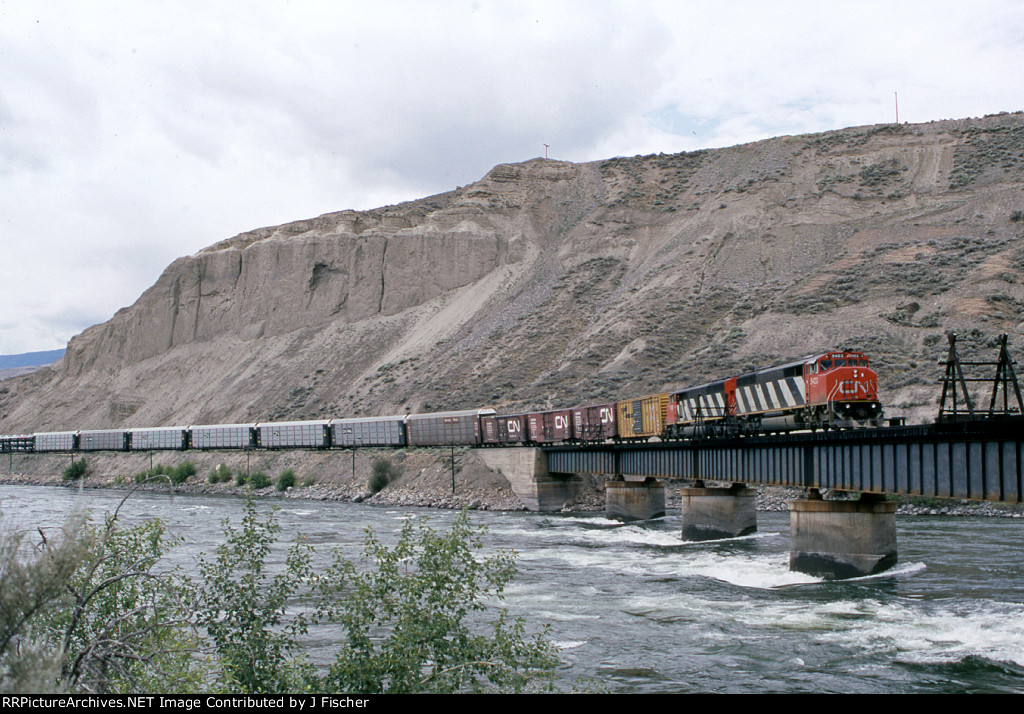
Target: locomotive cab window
column 826, row 364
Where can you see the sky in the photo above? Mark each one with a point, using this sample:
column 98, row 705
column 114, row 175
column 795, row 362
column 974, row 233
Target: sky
column 133, row 133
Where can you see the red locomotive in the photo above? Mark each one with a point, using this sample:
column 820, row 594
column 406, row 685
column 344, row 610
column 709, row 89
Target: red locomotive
column 837, row 390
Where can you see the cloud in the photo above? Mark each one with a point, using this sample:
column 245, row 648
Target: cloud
column 134, row 133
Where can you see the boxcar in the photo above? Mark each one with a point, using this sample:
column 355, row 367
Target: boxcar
column 445, row 428
column 594, row 423
column 224, row 436
column 103, row 440
column 505, row 429
column 368, row 431
column 550, row 426
column 642, row 418
column 314, row 434
column 162, row 437
column 56, row 441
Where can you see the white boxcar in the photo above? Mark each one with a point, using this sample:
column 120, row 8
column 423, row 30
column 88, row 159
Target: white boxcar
column 103, row 440
column 55, row 441
column 161, row 437
column 294, row 434
column 368, row 431
column 224, row 436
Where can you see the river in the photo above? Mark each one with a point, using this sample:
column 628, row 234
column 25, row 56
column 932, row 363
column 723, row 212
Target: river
column 635, row 609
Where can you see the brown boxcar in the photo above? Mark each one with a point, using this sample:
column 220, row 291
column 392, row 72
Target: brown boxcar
column 642, row 418
column 594, row 423
column 444, row 428
column 551, row 426
column 505, row 429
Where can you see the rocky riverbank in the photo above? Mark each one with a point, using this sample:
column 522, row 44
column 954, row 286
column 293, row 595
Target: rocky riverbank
column 494, row 497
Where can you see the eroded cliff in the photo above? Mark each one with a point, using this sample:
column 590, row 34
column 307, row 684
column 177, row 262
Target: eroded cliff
column 549, row 283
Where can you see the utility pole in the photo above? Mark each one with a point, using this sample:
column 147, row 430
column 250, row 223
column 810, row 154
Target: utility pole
column 897, row 97
column 546, row 147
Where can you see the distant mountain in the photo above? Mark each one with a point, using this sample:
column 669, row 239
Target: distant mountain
column 30, row 359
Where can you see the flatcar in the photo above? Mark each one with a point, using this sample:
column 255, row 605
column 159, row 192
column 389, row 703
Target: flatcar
column 17, row 443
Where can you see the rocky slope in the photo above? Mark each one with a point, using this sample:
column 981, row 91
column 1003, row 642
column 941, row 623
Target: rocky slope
column 550, row 283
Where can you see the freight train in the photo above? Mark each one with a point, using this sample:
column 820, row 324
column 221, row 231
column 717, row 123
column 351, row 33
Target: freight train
column 830, row 390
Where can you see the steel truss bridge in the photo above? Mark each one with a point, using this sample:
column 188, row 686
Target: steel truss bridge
column 973, row 460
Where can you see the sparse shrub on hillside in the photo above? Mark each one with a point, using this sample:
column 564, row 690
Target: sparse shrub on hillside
column 182, row 471
column 308, row 481
column 259, row 479
column 286, row 480
column 384, row 472
column 175, row 474
column 241, row 478
column 221, row 474
column 75, row 471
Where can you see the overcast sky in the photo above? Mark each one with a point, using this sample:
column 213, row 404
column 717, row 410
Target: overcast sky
column 132, row 133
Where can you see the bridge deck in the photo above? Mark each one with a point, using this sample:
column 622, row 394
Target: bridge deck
column 968, row 460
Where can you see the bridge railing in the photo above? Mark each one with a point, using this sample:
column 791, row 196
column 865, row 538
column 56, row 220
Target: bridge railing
column 964, row 460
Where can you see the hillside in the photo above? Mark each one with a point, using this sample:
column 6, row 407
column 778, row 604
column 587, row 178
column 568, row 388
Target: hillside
column 551, row 283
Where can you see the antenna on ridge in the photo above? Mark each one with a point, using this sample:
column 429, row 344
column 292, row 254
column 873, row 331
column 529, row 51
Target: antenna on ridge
column 546, row 147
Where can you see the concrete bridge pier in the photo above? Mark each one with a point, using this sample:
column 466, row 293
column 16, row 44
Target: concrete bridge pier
column 713, row 513
column 842, row 539
column 527, row 473
column 634, row 500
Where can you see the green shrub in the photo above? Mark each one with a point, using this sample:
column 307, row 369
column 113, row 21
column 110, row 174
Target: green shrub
column 96, row 609
column 221, row 474
column 413, row 618
column 286, row 480
column 308, row 481
column 240, row 478
column 182, row 471
column 384, row 472
column 85, row 611
column 259, row 479
column 75, row 471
